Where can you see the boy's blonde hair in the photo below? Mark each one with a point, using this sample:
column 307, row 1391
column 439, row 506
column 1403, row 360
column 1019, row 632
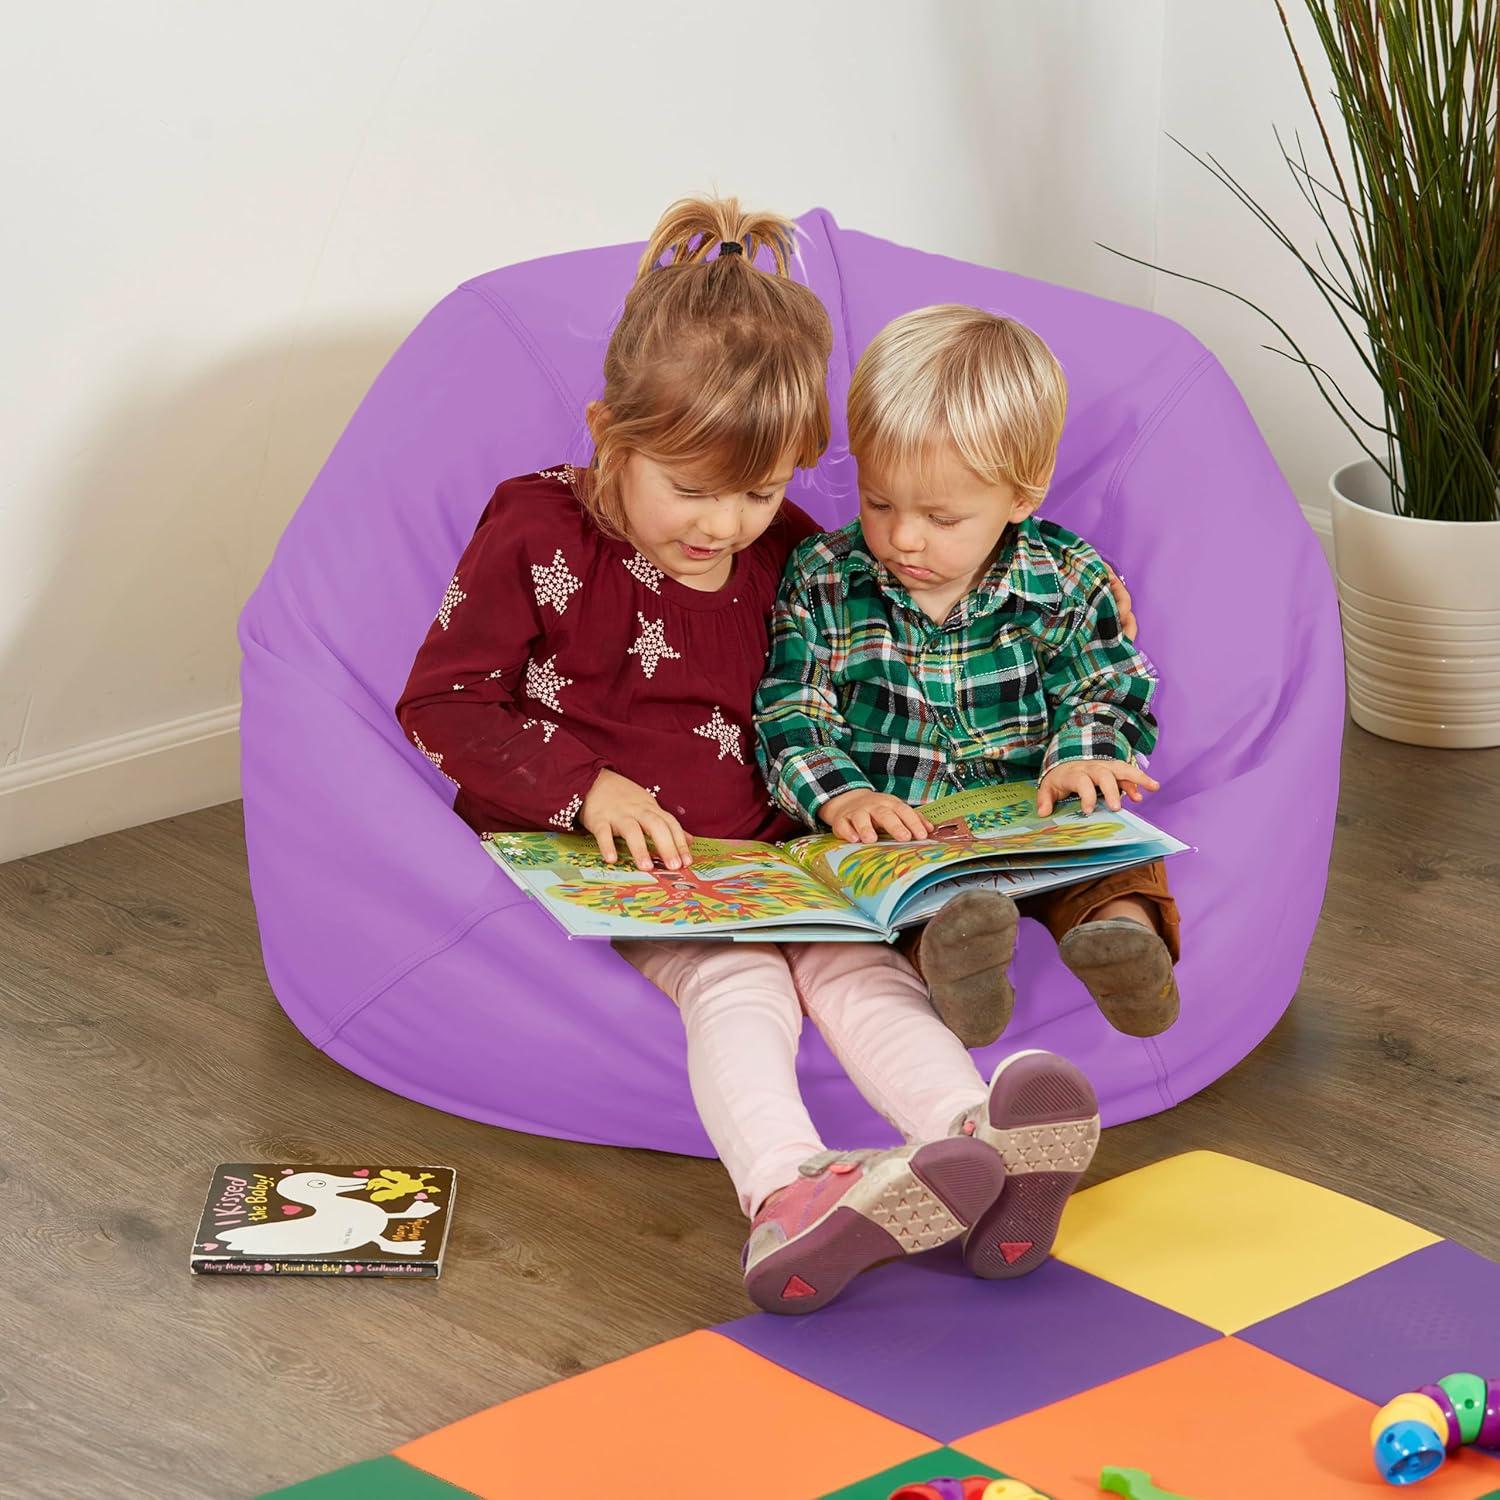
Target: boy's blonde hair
column 950, row 374
column 715, row 364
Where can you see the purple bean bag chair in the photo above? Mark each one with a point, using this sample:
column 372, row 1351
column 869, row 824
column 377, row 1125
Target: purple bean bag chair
column 400, row 949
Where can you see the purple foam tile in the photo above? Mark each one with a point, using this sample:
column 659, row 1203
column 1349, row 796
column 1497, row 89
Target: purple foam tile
column 930, row 1346
column 1431, row 1313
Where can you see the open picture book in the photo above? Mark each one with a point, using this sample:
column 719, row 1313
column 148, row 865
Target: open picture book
column 818, row 888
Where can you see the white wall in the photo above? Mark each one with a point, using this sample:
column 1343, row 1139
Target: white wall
column 1228, row 75
column 233, row 217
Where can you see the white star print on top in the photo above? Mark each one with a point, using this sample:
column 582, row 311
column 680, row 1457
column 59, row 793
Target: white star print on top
column 545, row 682
column 730, row 737
column 651, row 645
column 433, row 756
column 644, row 572
column 547, row 727
column 554, row 583
column 452, row 598
column 563, row 817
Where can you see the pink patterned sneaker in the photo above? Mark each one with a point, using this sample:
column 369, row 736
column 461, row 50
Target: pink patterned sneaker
column 850, row 1210
column 1043, row 1119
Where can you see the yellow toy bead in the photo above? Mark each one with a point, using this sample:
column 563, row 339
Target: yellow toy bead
column 1009, row 1489
column 1411, row 1407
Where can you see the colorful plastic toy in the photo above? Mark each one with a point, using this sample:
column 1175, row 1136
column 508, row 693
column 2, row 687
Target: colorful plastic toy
column 973, row 1487
column 943, row 1488
column 1134, row 1484
column 1414, row 1433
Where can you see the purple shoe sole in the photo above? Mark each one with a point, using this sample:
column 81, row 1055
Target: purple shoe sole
column 901, row 1208
column 1044, row 1122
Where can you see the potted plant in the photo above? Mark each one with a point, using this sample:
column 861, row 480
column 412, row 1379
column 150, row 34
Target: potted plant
column 1414, row 280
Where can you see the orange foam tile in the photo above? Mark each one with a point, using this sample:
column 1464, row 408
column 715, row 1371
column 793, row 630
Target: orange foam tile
column 696, row 1416
column 1225, row 1421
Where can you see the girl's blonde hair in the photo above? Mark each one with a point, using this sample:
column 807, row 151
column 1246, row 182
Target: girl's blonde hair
column 715, row 364
column 987, row 385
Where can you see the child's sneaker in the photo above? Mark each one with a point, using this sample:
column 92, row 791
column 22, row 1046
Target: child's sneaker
column 1126, row 968
column 964, row 953
column 850, row 1210
column 1043, row 1119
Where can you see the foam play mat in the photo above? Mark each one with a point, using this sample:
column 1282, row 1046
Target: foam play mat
column 1226, row 1328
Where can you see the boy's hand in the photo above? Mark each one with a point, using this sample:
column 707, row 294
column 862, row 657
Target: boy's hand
column 617, row 808
column 858, row 817
column 1122, row 604
column 1080, row 777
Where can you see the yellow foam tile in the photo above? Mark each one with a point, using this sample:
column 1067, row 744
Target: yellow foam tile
column 697, row 1416
column 1226, row 1241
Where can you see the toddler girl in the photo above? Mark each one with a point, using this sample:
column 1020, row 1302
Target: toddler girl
column 592, row 666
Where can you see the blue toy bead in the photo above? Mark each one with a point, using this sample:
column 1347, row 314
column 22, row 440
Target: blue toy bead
column 1408, row 1451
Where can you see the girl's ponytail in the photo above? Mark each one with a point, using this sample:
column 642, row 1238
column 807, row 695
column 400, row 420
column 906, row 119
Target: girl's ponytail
column 715, row 364
column 692, row 227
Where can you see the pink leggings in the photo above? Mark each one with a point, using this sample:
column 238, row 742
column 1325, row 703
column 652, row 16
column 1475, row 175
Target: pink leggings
column 742, row 1005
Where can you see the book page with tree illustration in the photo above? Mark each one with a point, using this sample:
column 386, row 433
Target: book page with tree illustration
column 731, row 886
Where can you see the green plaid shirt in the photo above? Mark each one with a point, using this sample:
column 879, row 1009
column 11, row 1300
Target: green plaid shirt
column 862, row 689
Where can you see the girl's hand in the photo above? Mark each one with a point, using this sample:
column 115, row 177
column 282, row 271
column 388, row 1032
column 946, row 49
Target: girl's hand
column 858, row 816
column 1080, row 777
column 1122, row 603
column 617, row 808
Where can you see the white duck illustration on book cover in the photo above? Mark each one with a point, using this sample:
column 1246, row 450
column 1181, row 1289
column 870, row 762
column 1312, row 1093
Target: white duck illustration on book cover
column 272, row 1219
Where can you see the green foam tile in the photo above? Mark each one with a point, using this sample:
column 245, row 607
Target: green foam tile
column 378, row 1479
column 940, row 1461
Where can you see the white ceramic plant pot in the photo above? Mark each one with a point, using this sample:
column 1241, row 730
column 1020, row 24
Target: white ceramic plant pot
column 1420, row 602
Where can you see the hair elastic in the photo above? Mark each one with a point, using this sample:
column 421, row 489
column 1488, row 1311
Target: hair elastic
column 731, row 247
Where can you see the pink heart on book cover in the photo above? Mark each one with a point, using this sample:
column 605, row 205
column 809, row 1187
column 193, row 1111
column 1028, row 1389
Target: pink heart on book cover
column 421, row 1197
column 286, row 1171
column 361, row 1172
column 209, row 1245
column 289, row 1209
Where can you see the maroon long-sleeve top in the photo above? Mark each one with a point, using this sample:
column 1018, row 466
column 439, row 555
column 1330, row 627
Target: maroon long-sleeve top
column 558, row 651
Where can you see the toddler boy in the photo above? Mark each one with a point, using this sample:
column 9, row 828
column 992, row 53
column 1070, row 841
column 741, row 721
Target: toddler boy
column 948, row 639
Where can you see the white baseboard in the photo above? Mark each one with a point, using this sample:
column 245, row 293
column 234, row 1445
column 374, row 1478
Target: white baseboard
column 119, row 783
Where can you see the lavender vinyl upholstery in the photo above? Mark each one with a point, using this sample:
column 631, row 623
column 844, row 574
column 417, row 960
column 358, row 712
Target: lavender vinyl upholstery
column 396, row 945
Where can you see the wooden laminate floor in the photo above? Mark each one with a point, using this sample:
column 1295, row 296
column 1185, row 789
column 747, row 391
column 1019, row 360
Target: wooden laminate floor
column 140, row 1043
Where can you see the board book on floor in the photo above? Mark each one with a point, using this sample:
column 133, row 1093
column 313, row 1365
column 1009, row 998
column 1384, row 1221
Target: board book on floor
column 819, row 888
column 278, row 1219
